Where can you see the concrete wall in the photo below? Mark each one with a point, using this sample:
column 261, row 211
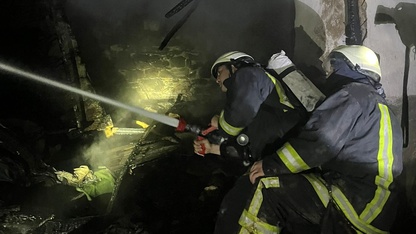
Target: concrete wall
column 328, row 32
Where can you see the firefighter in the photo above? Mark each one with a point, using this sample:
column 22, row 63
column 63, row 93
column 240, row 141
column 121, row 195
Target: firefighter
column 259, row 109
column 339, row 175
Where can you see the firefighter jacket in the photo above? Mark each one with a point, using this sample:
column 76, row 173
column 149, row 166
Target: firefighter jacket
column 260, row 106
column 356, row 142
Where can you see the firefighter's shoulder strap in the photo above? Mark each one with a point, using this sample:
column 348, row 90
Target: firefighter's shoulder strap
column 304, row 90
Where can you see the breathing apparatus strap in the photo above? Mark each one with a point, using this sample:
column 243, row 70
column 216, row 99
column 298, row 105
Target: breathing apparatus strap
column 287, row 71
column 293, row 100
column 239, row 63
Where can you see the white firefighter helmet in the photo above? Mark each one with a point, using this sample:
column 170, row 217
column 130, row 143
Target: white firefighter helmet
column 229, row 57
column 362, row 59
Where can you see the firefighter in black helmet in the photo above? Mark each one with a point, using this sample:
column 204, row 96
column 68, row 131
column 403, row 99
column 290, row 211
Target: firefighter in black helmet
column 339, row 175
column 259, row 109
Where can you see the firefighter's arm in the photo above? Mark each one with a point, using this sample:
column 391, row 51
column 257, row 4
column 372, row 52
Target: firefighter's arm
column 244, row 99
column 321, row 139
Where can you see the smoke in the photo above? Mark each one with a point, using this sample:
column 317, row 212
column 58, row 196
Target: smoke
column 260, row 28
column 111, row 152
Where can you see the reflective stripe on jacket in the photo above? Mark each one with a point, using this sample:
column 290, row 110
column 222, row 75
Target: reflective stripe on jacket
column 356, row 140
column 247, row 90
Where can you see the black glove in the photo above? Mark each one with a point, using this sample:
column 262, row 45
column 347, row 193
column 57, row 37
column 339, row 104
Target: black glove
column 214, row 137
column 234, row 148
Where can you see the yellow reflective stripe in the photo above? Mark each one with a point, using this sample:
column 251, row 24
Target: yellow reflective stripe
column 257, row 199
column 280, row 91
column 271, row 182
column 229, row 129
column 350, row 213
column 267, row 182
column 385, row 167
column 248, row 219
column 291, row 158
column 320, row 188
column 252, row 224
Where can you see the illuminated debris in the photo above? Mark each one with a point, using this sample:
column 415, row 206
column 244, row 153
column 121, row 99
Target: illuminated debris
column 88, row 182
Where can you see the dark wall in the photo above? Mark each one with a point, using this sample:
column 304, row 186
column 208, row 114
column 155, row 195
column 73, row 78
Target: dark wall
column 257, row 27
column 122, row 38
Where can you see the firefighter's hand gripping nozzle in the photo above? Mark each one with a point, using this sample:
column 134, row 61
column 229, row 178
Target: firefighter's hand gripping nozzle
column 210, row 133
column 231, row 148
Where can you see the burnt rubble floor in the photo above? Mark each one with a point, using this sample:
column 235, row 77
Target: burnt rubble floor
column 164, row 190
column 163, row 195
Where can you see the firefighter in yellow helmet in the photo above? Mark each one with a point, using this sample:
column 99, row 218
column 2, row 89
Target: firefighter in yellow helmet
column 259, row 109
column 339, row 175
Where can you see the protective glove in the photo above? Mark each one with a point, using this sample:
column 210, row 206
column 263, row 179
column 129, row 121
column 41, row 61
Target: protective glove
column 77, row 178
column 87, row 182
column 82, row 172
column 100, row 182
column 279, row 62
column 64, row 176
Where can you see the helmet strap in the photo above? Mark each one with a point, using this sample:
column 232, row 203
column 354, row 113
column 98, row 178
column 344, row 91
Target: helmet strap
column 239, row 63
column 230, row 68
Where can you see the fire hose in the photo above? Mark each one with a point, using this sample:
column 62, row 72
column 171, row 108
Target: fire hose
column 180, row 124
column 238, row 145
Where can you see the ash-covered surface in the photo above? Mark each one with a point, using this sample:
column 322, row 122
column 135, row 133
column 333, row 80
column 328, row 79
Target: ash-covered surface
column 162, row 189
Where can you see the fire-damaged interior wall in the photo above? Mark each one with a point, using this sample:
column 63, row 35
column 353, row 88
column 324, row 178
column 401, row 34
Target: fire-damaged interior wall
column 153, row 55
column 129, row 62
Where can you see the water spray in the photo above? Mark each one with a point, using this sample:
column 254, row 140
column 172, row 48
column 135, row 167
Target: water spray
column 179, row 124
column 31, row 76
